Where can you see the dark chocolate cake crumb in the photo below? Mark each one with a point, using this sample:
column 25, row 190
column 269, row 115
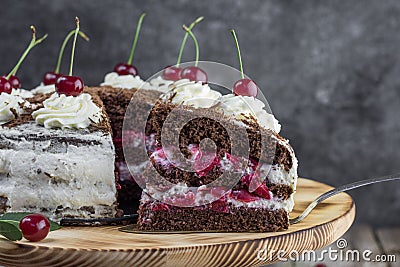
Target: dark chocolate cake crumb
column 3, row 204
column 239, row 219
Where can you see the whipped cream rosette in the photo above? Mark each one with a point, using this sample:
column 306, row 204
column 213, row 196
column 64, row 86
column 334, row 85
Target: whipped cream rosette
column 61, row 111
column 11, row 105
column 191, row 93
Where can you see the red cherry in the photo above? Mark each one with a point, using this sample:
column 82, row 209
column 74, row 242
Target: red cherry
column 5, row 86
column 244, row 196
column 200, row 164
column 34, row 227
column 245, row 87
column 125, row 69
column 194, row 74
column 263, row 191
column 50, row 78
column 15, row 82
column 69, row 85
column 219, row 191
column 220, row 205
column 171, row 73
column 159, row 207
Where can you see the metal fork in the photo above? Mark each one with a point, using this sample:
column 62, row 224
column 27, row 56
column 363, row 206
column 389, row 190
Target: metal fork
column 341, row 189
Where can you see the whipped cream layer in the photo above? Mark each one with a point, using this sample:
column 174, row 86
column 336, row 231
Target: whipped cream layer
column 59, row 173
column 242, row 106
column 194, row 94
column 125, row 81
column 159, row 84
column 23, row 93
column 61, row 111
column 44, row 89
column 11, row 105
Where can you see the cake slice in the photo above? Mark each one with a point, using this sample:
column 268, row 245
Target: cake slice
column 260, row 198
column 62, row 163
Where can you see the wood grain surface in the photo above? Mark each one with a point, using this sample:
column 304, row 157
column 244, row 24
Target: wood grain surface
column 106, row 246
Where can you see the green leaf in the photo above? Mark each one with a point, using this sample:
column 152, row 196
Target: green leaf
column 10, row 230
column 54, row 226
column 18, row 216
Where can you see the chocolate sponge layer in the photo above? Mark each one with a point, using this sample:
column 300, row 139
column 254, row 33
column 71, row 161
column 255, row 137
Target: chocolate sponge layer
column 205, row 219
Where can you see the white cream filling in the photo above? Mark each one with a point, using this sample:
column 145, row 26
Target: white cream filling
column 272, row 204
column 42, row 175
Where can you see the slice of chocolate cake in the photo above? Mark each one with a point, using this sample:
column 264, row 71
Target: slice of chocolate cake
column 57, row 156
column 245, row 181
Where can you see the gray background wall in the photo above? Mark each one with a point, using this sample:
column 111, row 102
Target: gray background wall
column 329, row 70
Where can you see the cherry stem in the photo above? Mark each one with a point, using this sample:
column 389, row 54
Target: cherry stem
column 185, row 38
column 64, row 44
column 196, row 44
column 31, row 45
column 73, row 46
column 130, row 59
column 238, row 52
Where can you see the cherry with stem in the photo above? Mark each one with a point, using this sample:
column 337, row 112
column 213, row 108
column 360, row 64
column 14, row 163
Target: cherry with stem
column 173, row 73
column 194, row 73
column 127, row 68
column 67, row 84
column 52, row 76
column 11, row 80
column 244, row 86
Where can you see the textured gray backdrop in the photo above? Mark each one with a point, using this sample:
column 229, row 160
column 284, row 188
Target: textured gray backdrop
column 329, row 69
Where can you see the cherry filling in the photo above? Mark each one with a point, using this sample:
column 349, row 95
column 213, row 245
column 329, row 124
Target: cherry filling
column 220, row 205
column 185, row 200
column 200, row 165
column 229, row 162
column 123, row 171
column 131, row 139
column 244, row 196
column 159, row 207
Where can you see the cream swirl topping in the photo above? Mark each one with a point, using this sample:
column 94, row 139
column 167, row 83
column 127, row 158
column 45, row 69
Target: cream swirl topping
column 44, row 89
column 160, row 84
column 23, row 93
column 240, row 106
column 61, row 111
column 10, row 105
column 125, row 81
column 194, row 94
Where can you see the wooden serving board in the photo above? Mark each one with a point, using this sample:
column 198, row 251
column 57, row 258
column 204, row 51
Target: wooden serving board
column 106, row 246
